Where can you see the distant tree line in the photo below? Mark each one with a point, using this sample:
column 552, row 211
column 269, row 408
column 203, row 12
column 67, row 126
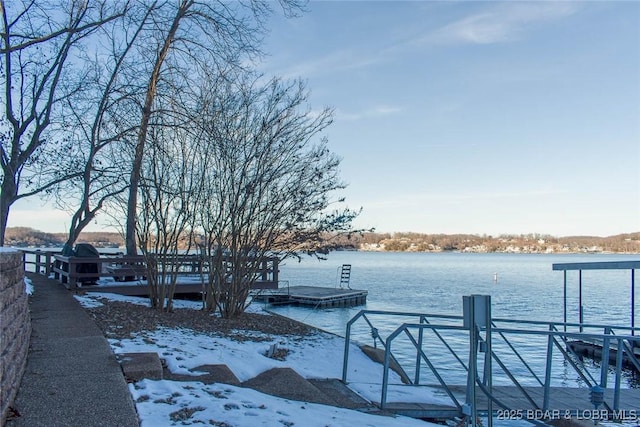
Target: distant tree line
column 22, row 237
column 416, row 242
column 534, row 242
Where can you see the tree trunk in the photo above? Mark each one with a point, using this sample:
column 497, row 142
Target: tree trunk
column 8, row 193
column 134, row 182
column 78, row 223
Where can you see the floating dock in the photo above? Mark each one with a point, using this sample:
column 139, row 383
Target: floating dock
column 313, row 296
column 594, row 351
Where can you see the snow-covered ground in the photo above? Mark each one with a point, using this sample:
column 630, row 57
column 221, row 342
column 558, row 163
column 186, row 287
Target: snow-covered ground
column 165, row 402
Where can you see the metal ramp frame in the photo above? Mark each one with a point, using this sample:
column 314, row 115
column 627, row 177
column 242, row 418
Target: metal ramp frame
column 479, row 396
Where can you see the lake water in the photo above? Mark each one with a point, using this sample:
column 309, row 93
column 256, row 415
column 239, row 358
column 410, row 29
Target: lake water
column 434, row 283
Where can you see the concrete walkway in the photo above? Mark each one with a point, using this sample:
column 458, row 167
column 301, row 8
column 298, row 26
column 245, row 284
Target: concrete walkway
column 72, row 376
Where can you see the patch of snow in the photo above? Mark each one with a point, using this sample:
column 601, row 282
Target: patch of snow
column 257, row 309
column 318, row 355
column 87, row 301
column 28, row 286
column 162, row 403
column 92, row 299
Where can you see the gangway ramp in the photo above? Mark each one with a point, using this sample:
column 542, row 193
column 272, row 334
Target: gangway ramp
column 506, row 375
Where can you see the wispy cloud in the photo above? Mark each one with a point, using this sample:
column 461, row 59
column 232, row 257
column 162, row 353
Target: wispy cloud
column 341, row 60
column 503, row 23
column 374, row 112
column 493, row 23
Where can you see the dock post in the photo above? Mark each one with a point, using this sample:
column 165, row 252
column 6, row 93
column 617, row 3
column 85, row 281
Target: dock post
column 565, row 300
column 633, row 299
column 385, row 374
column 416, row 380
column 488, row 361
column 345, row 359
column 616, row 392
column 605, row 358
column 38, row 261
column 580, row 308
column 476, row 314
column 471, row 379
column 48, row 267
column 547, row 375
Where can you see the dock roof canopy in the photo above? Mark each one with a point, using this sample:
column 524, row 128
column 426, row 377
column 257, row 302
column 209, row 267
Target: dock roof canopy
column 605, row 265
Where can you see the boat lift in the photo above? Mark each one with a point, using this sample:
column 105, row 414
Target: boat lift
column 605, row 265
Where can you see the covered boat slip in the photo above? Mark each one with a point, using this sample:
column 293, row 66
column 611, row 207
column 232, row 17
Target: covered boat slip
column 605, row 265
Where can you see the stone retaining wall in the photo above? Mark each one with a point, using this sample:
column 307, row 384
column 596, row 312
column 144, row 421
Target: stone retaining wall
column 15, row 327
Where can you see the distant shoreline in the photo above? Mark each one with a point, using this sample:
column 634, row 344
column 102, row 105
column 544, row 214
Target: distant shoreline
column 122, row 249
column 628, row 243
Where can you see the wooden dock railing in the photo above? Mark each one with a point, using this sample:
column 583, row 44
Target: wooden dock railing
column 72, row 270
column 69, row 270
column 41, row 260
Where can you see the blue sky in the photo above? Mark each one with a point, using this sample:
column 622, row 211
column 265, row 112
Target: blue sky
column 477, row 117
column 470, row 117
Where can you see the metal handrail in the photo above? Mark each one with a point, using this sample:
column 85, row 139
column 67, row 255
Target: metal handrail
column 517, row 353
column 435, row 371
column 570, row 355
column 451, row 350
column 555, row 337
column 374, row 335
column 374, row 331
column 630, row 350
column 576, row 325
column 388, row 352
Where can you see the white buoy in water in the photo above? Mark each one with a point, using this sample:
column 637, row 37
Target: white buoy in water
column 495, row 277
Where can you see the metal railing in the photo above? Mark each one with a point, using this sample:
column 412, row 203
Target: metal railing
column 503, row 333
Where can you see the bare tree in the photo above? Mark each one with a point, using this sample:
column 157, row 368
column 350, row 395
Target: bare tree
column 268, row 185
column 38, row 41
column 41, row 70
column 100, row 115
column 134, row 180
column 170, row 194
column 195, row 33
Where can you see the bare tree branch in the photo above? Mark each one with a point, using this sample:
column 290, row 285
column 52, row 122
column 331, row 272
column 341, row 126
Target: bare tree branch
column 36, row 77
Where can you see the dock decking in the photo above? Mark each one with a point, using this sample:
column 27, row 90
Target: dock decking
column 314, row 296
column 563, row 402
